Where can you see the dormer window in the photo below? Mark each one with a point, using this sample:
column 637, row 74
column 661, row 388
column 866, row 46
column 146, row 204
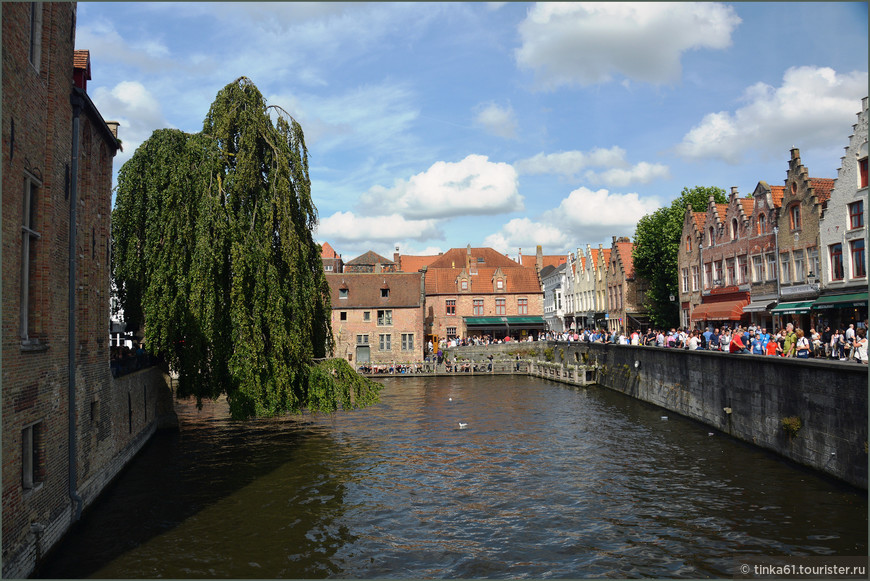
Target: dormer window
column 385, row 293
column 463, row 285
column 499, row 284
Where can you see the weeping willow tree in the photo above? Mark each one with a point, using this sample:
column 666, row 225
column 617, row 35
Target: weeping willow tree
column 215, row 260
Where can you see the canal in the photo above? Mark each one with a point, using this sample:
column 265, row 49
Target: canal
column 542, row 480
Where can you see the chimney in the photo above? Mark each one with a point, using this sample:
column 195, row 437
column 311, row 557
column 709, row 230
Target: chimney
column 520, row 256
column 614, row 239
column 539, row 258
column 113, row 127
column 396, row 255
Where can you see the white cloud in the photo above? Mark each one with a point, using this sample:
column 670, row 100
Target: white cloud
column 344, row 227
column 813, row 108
column 588, row 43
column 137, row 110
column 499, row 121
column 524, row 233
column 642, row 173
column 584, row 207
column 569, row 163
column 473, row 186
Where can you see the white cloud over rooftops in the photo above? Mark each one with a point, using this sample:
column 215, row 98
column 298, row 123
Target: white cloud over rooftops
column 813, row 108
column 347, row 227
column 590, row 43
column 472, row 186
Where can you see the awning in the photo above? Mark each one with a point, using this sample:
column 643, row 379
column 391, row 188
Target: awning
column 841, row 301
column 758, row 306
column 720, row 311
column 792, row 308
column 512, row 322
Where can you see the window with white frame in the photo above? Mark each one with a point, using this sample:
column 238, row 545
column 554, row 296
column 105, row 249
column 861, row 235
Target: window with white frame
column 29, row 236
column 734, row 228
column 757, row 269
column 799, row 266
column 742, row 270
column 685, row 278
column 696, row 275
column 718, row 267
column 813, row 260
column 708, row 274
column 785, row 270
column 771, row 266
column 731, row 272
column 451, row 332
column 477, row 307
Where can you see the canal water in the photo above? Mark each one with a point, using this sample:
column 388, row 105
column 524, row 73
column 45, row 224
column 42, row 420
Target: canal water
column 542, row 480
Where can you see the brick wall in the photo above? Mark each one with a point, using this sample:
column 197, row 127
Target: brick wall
column 404, row 321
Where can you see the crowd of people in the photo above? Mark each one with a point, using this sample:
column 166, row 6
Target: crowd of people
column 837, row 344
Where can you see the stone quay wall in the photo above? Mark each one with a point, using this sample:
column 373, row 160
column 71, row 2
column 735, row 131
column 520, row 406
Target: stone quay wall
column 745, row 396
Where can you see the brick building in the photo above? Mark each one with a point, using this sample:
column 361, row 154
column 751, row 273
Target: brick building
column 370, row 262
column 690, row 264
column 478, row 291
column 377, row 318
column 332, row 261
column 843, row 237
column 625, row 291
column 803, row 203
column 67, row 426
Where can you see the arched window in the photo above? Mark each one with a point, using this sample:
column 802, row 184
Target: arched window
column 712, row 240
column 688, row 243
column 733, row 228
column 761, row 225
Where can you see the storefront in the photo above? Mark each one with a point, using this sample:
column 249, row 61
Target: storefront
column 517, row 328
column 839, row 311
column 759, row 311
column 721, row 307
column 797, row 313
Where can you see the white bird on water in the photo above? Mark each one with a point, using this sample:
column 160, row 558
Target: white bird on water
column 462, row 425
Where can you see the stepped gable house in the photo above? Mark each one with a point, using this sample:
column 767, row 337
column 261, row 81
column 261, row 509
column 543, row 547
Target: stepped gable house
column 332, row 261
column 60, row 427
column 478, row 291
column 626, row 292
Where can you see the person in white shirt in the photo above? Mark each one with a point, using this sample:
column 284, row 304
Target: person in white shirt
column 850, row 341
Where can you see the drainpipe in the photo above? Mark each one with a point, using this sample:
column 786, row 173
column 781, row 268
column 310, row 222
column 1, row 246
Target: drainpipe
column 77, row 104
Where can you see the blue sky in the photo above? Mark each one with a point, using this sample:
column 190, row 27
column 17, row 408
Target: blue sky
column 433, row 126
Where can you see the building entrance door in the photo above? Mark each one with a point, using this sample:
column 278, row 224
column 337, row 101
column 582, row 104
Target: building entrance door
column 362, row 354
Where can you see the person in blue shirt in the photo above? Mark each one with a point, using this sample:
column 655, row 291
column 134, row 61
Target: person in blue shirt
column 757, row 343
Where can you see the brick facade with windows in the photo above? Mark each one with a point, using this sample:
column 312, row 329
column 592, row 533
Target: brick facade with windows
column 57, row 149
column 625, row 292
column 377, row 318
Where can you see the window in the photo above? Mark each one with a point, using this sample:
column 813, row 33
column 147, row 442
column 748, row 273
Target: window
column 685, row 278
column 367, row 316
column 328, row 268
column 856, row 213
column 708, row 275
column 761, row 224
column 771, row 266
column 31, row 440
column 385, row 318
column 35, row 33
column 499, row 284
column 407, row 341
column 477, row 307
column 757, row 269
column 794, row 216
column 463, row 285
column 742, row 270
column 799, row 268
column 451, row 332
column 362, row 339
column 859, row 267
column 688, row 244
column 29, row 236
column 696, row 277
column 786, row 267
column 500, row 306
column 733, row 228
column 862, row 173
column 342, row 316
column 342, row 293
column 450, row 307
column 522, row 306
column 385, row 293
column 836, row 261
column 384, row 342
column 813, row 259
column 718, row 267
column 731, row 273
column 712, row 237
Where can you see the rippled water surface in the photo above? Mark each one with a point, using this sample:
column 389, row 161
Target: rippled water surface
column 544, row 481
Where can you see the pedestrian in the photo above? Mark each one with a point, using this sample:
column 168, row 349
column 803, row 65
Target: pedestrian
column 861, row 346
column 850, row 341
column 790, row 340
column 757, row 344
column 826, row 340
column 780, row 343
column 816, row 342
column 802, row 345
column 772, row 347
column 736, row 344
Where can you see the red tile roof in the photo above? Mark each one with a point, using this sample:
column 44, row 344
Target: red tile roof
column 548, row 260
column 442, row 273
column 364, row 289
column 777, row 193
column 722, row 209
column 748, row 205
column 623, row 253
column 415, row 263
column 699, row 218
column 823, row 187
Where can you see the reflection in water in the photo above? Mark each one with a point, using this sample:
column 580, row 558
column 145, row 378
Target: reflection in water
column 545, row 481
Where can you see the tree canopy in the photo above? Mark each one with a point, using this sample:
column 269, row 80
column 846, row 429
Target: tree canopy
column 657, row 244
column 215, row 260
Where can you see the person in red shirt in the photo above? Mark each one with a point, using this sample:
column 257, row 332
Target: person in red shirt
column 736, row 345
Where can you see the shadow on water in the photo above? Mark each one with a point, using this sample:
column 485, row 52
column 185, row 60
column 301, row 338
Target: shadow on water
column 203, row 472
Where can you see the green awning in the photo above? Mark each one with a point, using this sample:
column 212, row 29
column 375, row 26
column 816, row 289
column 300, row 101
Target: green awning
column 792, row 308
column 503, row 321
column 841, row 301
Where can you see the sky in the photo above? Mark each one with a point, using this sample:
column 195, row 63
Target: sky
column 506, row 125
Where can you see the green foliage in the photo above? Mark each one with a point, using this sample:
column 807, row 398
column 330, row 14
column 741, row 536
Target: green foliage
column 215, row 259
column 548, row 354
column 656, row 246
column 791, row 425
